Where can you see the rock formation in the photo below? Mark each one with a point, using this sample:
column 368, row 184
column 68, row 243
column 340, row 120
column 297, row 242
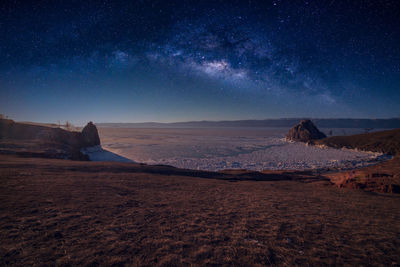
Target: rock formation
column 90, row 135
column 44, row 141
column 305, row 131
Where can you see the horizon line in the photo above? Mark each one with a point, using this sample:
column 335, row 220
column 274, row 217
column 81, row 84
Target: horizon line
column 238, row 120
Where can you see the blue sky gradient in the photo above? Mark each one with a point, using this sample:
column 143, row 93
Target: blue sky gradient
column 165, row 61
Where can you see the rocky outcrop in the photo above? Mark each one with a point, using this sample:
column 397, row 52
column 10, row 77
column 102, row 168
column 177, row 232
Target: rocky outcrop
column 51, row 142
column 305, row 131
column 90, row 136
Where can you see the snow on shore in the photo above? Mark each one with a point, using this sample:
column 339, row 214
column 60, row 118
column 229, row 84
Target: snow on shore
column 97, row 153
column 279, row 156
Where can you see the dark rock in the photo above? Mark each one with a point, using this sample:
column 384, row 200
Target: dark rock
column 392, row 188
column 58, row 235
column 90, row 135
column 305, row 131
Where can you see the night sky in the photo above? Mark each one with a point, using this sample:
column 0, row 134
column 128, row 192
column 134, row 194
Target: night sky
column 136, row 61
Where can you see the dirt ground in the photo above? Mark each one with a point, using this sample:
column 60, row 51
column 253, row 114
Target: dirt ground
column 60, row 212
column 383, row 177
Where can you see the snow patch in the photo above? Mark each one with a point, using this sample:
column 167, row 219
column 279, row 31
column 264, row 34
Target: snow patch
column 97, row 153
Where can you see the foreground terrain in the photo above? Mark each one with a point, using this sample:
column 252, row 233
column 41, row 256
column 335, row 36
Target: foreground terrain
column 61, row 212
column 383, row 177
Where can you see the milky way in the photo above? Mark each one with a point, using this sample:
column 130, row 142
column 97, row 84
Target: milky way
column 183, row 60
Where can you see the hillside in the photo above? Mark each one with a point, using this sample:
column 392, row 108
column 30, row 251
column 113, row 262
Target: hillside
column 384, row 177
column 387, row 142
column 62, row 212
column 28, row 139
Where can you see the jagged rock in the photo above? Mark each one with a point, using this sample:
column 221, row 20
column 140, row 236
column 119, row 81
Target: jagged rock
column 90, row 135
column 305, row 131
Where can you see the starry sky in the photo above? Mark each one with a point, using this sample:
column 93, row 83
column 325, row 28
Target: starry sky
column 167, row 61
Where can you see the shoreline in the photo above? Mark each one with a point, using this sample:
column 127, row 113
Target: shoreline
column 252, row 155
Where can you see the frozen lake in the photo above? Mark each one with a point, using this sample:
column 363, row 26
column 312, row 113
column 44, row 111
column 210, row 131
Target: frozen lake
column 227, row 148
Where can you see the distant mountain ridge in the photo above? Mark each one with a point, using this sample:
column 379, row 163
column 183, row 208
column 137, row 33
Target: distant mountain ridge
column 289, row 122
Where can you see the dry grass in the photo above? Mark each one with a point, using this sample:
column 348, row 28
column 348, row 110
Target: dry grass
column 383, row 177
column 59, row 212
column 387, row 142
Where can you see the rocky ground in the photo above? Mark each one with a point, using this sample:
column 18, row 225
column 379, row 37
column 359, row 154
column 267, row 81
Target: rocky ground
column 67, row 213
column 383, row 177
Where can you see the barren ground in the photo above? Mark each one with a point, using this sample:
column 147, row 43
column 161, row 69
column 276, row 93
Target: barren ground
column 60, row 212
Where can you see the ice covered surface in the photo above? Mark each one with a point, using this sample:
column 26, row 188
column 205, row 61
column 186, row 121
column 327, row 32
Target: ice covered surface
column 97, row 153
column 228, row 148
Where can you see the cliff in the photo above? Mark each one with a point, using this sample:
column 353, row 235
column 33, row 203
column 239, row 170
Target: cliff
column 36, row 140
